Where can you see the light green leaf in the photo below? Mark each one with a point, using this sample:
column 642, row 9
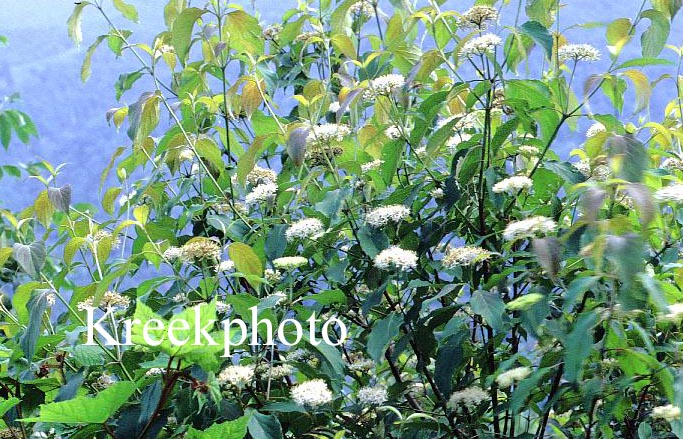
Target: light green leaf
column 490, row 306
column 382, row 333
column 181, row 31
column 85, row 67
column 246, row 260
column 74, row 23
column 235, row 429
column 127, row 10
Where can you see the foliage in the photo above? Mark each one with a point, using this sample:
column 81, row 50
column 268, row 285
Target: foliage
column 491, row 288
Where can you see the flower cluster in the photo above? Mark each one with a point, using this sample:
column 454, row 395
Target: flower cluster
column 305, row 228
column 110, row 299
column 667, row 412
column 200, row 249
column 529, row 150
column 512, row 185
column 260, row 175
column 465, row 256
column 512, row 376
column 393, row 132
column 478, row 18
column 482, row 45
column 595, row 129
column 383, row 86
column 469, row 398
column 363, row 7
column 224, row 266
column 675, row 313
column 327, row 133
column 290, row 262
column 383, row 215
column 272, row 32
column 530, row 227
column 672, row 164
column 372, row 395
column 371, row 166
column 275, row 372
column 237, row 376
column 312, row 393
column 397, row 258
column 578, row 52
column 262, row 194
column 673, row 194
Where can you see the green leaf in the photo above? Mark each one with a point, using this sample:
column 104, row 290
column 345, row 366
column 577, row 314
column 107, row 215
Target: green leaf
column 181, row 31
column 36, row 307
column 246, row 260
column 578, row 345
column 210, row 154
column 619, row 33
column 246, row 163
column 235, row 429
column 540, row 35
column 85, row 67
column 296, row 145
column 491, row 307
column 372, row 240
column 244, row 34
column 125, row 82
column 74, row 23
column 85, row 410
column 644, row 62
column 127, row 10
column 382, row 333
column 30, row 258
column 264, row 426
column 654, row 38
column 7, row 404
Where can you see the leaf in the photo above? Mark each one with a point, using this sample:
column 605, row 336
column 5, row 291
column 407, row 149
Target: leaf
column 619, row 33
column 276, row 242
column 490, row 306
column 372, row 240
column 124, row 83
column 60, row 197
column 296, row 145
column 264, row 426
column 246, row 163
column 449, row 357
column 30, row 257
column 641, row 83
column 210, row 153
column 36, row 307
column 540, row 34
column 251, row 96
column 127, row 10
column 85, row 67
column 44, row 208
column 382, row 333
column 235, row 429
column 181, row 31
column 578, row 345
column 85, row 410
column 644, row 62
column 5, row 253
column 74, row 23
column 342, row 43
column 547, row 251
column 642, row 198
column 629, row 156
column 654, row 38
column 7, row 404
column 246, row 260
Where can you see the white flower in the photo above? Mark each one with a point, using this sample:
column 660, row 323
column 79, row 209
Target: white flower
column 272, row 32
column 279, row 297
column 478, row 18
column 51, row 299
column 105, row 380
column 298, row 355
column 180, row 297
column 305, row 228
column 275, row 372
column 673, row 193
column 290, row 262
column 186, row 154
column 675, row 313
column 225, row 266
column 437, row 193
column 465, row 256
column 238, row 376
column 262, row 194
column 110, row 299
column 578, row 52
column 260, row 175
column 481, row 45
column 173, row 253
column 360, row 364
column 327, row 133
column 537, row 225
column 510, row 377
column 101, row 235
column 362, row 7
column 667, row 412
column 464, row 121
column 126, row 198
column 372, row 395
column 393, row 132
column 584, row 167
column 673, row 164
column 155, row 371
column 512, row 185
column 313, row 393
column 396, row 258
column 595, row 129
column 381, row 216
column 383, row 85
column 305, row 36
column 272, row 276
column 334, row 107
column 371, row 166
column 601, row 173
column 201, row 248
column 222, row 307
column 470, row 398
column 529, row 150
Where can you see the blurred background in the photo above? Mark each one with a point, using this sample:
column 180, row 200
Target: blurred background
column 43, row 65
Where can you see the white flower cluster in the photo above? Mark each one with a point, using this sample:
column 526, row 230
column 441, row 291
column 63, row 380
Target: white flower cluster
column 360, row 364
column 105, row 380
column 537, row 225
column 262, row 194
column 481, row 45
column 260, row 175
column 290, row 262
column 393, row 132
column 469, row 398
column 104, row 234
column 305, row 228
column 383, row 215
column 595, row 129
column 465, row 256
column 478, row 18
column 237, row 376
column 675, row 313
column 465, row 121
column 272, row 32
column 50, row 299
column 110, row 299
column 578, row 52
column 272, row 276
column 363, row 7
column 222, row 307
column 371, row 166
column 275, row 372
column 395, row 257
column 173, row 254
column 303, row 37
column 673, row 164
column 180, row 298
column 372, row 395
column 667, row 412
column 512, row 376
column 334, row 107
column 327, row 133
column 200, row 248
column 224, row 266
column 313, row 393
column 155, row 371
column 383, row 86
column 673, row 194
column 437, row 193
column 529, row 150
column 512, row 185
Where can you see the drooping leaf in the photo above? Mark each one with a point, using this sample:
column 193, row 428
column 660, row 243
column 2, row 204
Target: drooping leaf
column 382, row 333
column 31, row 257
column 540, row 34
column 74, row 22
column 490, row 306
column 127, row 10
column 181, row 31
column 60, row 197
column 264, row 426
column 235, row 429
